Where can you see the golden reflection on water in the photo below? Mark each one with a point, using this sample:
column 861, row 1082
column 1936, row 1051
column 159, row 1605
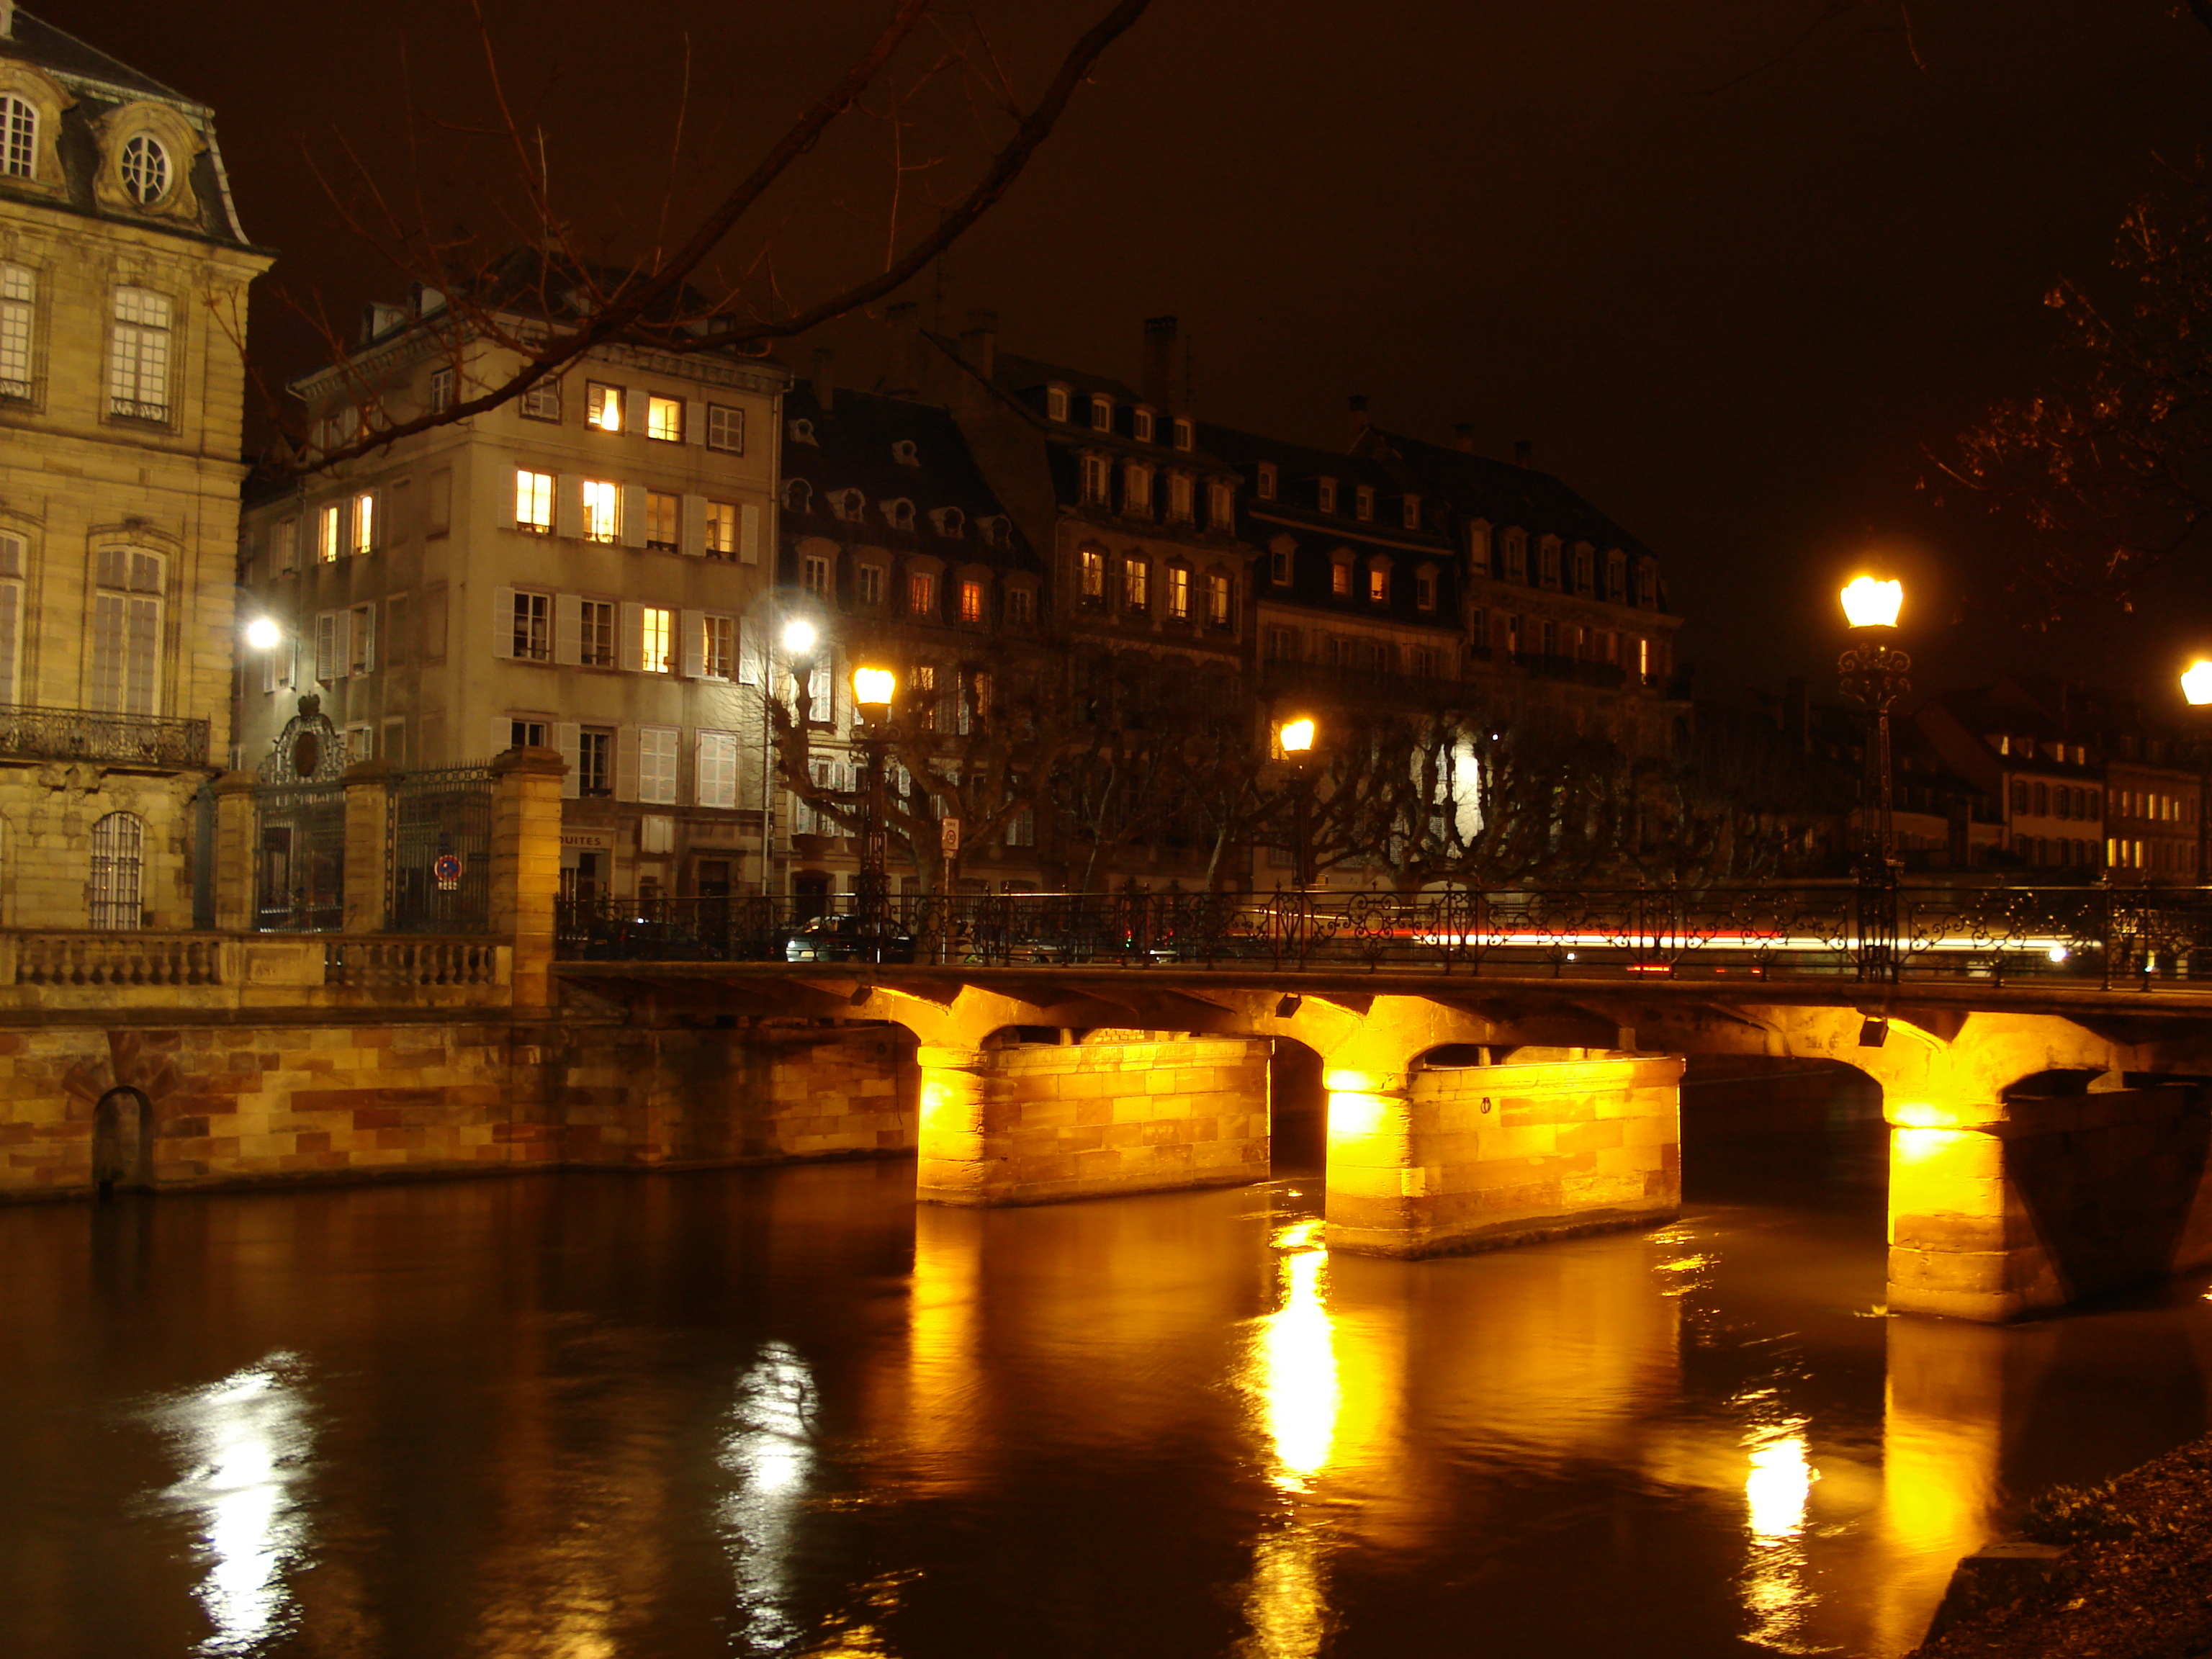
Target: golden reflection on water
column 768, row 1450
column 1776, row 1492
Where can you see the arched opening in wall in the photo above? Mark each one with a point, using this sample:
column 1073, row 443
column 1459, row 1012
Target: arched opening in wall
column 809, row 894
column 1800, row 1133
column 116, row 890
column 1297, row 1109
column 122, row 1141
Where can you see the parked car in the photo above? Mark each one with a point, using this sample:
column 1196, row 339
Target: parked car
column 844, row 938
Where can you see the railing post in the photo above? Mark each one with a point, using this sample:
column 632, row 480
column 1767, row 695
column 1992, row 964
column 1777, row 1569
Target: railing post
column 525, row 865
column 368, row 844
column 234, row 852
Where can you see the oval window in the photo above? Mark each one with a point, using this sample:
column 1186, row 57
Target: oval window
column 145, row 169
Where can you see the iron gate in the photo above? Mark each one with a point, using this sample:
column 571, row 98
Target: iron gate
column 439, row 843
column 117, row 868
column 299, row 859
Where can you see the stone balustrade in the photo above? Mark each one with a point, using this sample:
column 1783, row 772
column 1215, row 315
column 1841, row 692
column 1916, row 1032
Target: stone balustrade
column 410, row 963
column 148, row 971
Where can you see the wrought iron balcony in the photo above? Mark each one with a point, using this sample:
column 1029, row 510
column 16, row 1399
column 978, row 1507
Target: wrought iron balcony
column 82, row 734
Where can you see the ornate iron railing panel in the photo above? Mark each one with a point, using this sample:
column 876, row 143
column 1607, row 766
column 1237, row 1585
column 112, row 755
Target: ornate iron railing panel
column 439, row 848
column 90, row 735
column 2082, row 936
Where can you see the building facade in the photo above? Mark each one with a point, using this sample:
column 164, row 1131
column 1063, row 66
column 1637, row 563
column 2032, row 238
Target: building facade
column 123, row 277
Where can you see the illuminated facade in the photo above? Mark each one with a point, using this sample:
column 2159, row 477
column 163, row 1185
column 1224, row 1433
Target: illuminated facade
column 123, row 276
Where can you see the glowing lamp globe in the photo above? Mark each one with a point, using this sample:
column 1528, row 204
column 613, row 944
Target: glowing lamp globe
column 799, row 637
column 872, row 691
column 262, row 634
column 2196, row 683
column 1296, row 736
column 1871, row 603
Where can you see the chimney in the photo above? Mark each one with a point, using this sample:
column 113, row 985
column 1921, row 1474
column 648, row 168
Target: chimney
column 978, row 345
column 904, row 379
column 7, row 19
column 1160, row 364
column 825, row 386
column 1524, row 452
column 1463, row 437
column 1357, row 403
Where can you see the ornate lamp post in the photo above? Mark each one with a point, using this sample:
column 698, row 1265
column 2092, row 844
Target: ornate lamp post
column 1294, row 742
column 2196, row 691
column 1874, row 673
column 799, row 638
column 873, row 690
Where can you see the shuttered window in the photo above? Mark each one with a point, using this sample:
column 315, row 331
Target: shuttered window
column 718, row 769
column 656, row 764
column 126, row 632
column 138, row 355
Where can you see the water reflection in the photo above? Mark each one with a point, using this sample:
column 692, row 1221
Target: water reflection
column 244, row 1443
column 770, row 1452
column 1292, row 1374
column 1775, row 1492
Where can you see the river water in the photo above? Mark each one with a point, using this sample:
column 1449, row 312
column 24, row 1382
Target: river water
column 782, row 1412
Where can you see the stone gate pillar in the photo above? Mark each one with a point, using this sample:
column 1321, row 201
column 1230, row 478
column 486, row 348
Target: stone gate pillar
column 525, row 865
column 234, row 852
column 368, row 844
column 954, row 1156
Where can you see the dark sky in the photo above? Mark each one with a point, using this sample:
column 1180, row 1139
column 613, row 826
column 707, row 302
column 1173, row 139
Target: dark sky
column 1729, row 302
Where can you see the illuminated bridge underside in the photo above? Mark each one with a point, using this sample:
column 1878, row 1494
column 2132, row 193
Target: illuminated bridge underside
column 2045, row 1145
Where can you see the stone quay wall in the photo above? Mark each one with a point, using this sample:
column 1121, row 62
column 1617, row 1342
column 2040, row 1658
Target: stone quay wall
column 218, row 1101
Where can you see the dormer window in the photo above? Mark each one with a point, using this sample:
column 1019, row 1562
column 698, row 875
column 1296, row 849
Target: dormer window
column 802, row 432
column 992, row 532
column 1340, row 573
column 949, row 521
column 1185, row 436
column 1140, row 425
column 1516, row 557
column 898, row 515
column 1326, row 495
column 1647, row 584
column 848, row 504
column 1363, row 503
column 798, row 496
column 1548, row 562
column 1055, row 402
column 19, row 138
column 1266, row 483
column 1412, row 507
column 1101, row 414
column 145, row 168
column 1425, row 587
column 905, row 453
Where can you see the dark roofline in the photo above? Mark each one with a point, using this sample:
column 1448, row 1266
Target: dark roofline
column 90, row 62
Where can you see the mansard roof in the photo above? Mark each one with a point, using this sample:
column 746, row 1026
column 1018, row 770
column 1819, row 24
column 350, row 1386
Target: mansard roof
column 62, row 55
column 1503, row 493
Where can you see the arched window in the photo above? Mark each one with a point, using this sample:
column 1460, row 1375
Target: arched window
column 899, row 514
column 119, row 843
column 19, row 137
column 798, row 496
column 145, row 169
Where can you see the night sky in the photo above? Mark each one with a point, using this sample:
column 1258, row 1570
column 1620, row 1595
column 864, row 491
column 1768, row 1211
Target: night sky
column 1730, row 280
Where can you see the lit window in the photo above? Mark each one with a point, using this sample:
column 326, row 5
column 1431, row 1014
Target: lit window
column 19, row 138
column 19, row 295
column 1363, row 503
column 1090, row 564
column 1136, row 584
column 1140, row 425
column 1096, row 478
column 1019, row 603
column 971, row 602
column 602, row 511
column 871, row 584
column 1137, row 488
column 717, row 650
column 814, row 574
column 664, row 419
column 441, row 390
column 1216, row 599
column 533, row 501
column 726, row 428
column 722, row 529
column 1412, row 507
column 921, row 594
column 542, row 401
column 1101, row 414
column 595, row 632
column 664, row 514
column 1266, row 485
column 145, row 169
column 1326, row 496
column 364, row 522
column 138, row 355
column 656, row 634
column 1055, row 402
column 330, row 534
column 1379, row 586
column 532, row 628
column 1339, row 578
column 603, row 406
column 1183, row 435
column 1178, row 593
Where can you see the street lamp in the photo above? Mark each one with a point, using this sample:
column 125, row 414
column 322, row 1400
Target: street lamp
column 2196, row 690
column 873, row 690
column 799, row 638
column 1294, row 742
column 263, row 633
column 1874, row 674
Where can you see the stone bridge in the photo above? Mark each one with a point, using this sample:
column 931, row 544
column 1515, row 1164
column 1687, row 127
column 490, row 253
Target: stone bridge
column 2046, row 1143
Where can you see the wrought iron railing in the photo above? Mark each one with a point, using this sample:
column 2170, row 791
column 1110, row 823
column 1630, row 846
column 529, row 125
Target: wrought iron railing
column 85, row 734
column 2091, row 936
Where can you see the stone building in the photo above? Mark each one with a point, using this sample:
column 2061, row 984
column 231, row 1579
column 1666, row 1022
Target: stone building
column 123, row 279
column 586, row 567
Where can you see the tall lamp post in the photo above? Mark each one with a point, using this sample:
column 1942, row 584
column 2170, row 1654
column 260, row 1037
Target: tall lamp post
column 1874, row 672
column 2196, row 690
column 1294, row 742
column 799, row 641
column 873, row 690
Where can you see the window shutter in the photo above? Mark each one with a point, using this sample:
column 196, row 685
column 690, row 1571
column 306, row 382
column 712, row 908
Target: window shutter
column 502, row 623
column 341, row 644
column 568, row 737
column 633, row 515
column 629, row 653
column 626, row 762
column 364, row 623
column 107, row 652
column 568, row 505
column 503, row 507
column 695, row 422
column 568, row 628
column 10, row 623
column 694, row 538
column 694, row 625
column 635, row 404
column 718, row 769
column 818, row 704
column 749, row 533
column 503, row 735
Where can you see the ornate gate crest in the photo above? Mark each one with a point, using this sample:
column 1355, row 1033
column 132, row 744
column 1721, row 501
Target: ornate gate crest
column 309, row 750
